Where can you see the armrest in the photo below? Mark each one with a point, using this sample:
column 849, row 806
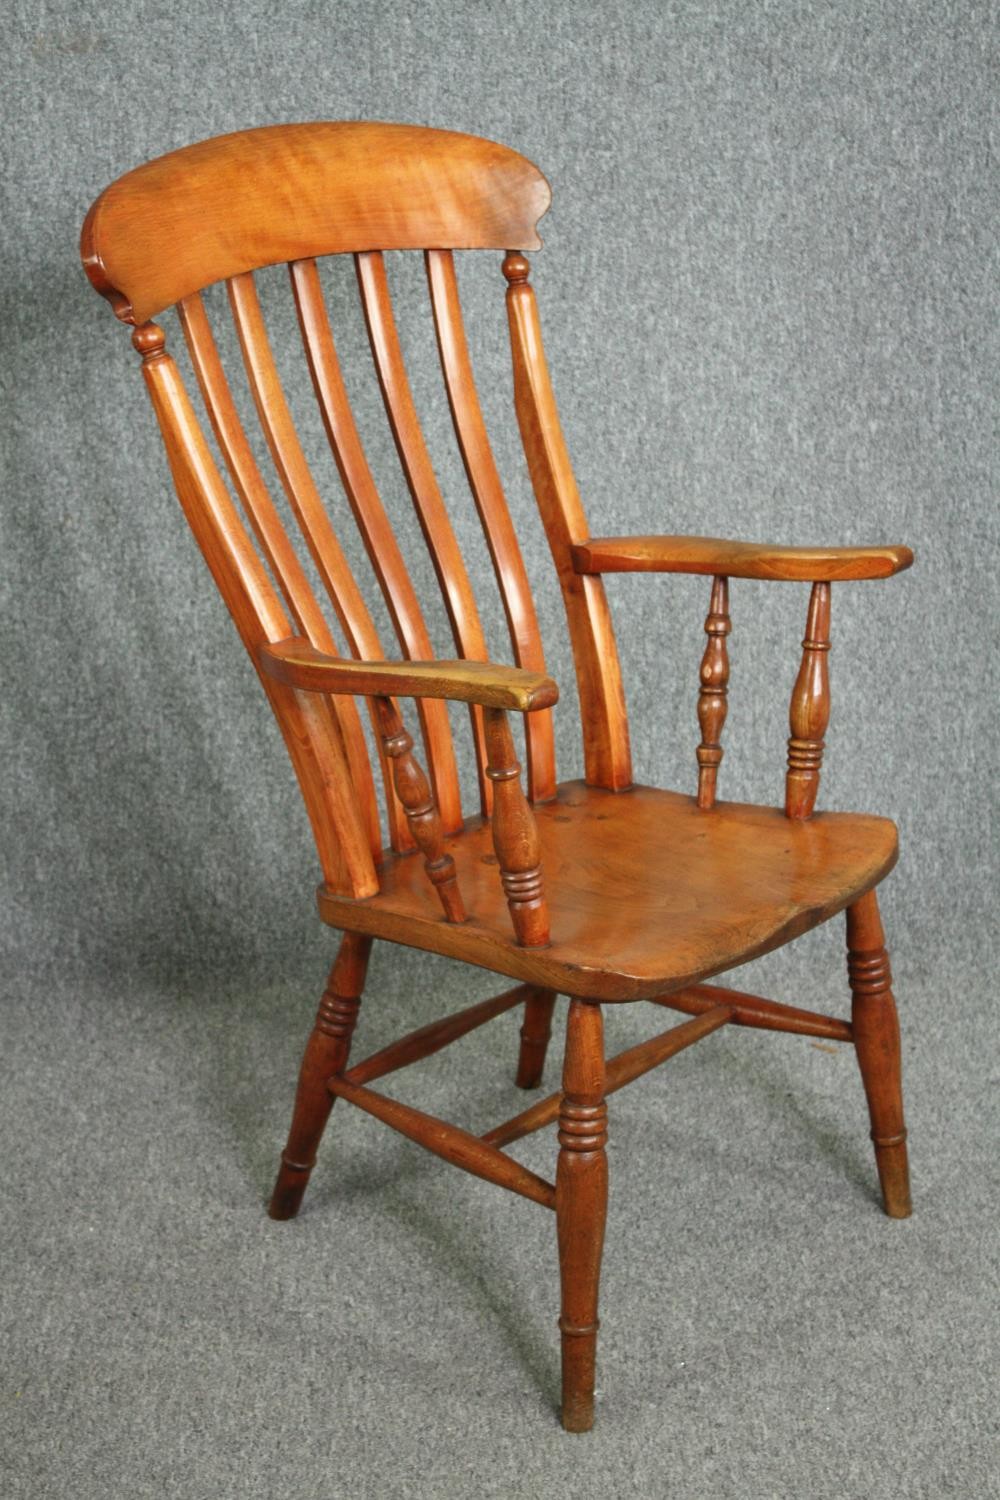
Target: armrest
column 299, row 665
column 706, row 554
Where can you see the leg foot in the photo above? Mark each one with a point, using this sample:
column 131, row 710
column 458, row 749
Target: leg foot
column 581, row 1208
column 326, row 1053
column 876, row 1040
column 535, row 1035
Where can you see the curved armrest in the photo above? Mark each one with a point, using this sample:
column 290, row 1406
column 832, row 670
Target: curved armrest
column 706, row 554
column 299, row 665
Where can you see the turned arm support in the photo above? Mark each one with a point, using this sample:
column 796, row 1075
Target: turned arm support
column 495, row 689
column 809, row 712
column 711, row 555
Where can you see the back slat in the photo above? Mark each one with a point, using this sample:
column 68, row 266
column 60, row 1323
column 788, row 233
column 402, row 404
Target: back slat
column 309, row 729
column 271, row 535
column 373, row 523
column 442, row 543
column 491, row 503
column 304, row 498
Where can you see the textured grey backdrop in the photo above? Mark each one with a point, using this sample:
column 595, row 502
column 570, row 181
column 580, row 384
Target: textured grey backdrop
column 769, row 290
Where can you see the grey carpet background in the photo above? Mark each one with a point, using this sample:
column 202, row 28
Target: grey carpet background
column 769, row 295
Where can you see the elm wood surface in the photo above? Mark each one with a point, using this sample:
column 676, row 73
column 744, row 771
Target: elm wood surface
column 709, row 554
column 289, row 192
column 645, row 891
column 600, row 890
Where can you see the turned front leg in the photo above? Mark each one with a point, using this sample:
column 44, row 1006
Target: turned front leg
column 581, row 1207
column 875, row 1024
column 326, row 1054
column 515, row 835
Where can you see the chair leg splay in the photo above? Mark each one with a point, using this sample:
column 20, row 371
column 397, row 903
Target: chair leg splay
column 875, row 1025
column 581, row 1208
column 326, row 1055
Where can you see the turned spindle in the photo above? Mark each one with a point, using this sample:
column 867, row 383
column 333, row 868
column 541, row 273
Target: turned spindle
column 875, row 1028
column 326, row 1054
column 515, row 835
column 418, row 804
column 712, row 705
column 581, row 1207
column 809, row 713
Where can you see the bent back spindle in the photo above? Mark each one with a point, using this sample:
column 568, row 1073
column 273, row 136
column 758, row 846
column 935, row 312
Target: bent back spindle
column 219, row 212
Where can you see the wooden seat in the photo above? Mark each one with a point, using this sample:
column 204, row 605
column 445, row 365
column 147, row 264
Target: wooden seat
column 647, row 893
column 596, row 889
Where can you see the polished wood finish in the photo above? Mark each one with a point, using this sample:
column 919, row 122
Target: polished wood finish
column 421, row 811
column 379, row 539
column 712, row 697
column 648, row 894
column 487, row 490
column 875, row 1025
column 326, row 1054
column 515, row 836
column 448, row 1141
column 751, row 1010
column 535, row 1034
column 624, row 1068
column 300, row 665
column 607, row 758
column 581, row 1207
column 289, row 192
column 636, row 883
column 809, row 713
column 709, row 554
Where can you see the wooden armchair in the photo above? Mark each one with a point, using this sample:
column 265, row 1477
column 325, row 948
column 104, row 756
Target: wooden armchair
column 646, row 894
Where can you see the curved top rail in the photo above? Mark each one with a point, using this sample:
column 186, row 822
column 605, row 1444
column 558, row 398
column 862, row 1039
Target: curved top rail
column 287, row 192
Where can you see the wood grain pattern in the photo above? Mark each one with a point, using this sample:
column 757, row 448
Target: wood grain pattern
column 581, row 1208
column 289, row 192
column 515, row 836
column 712, row 555
column 645, row 893
column 809, row 713
column 648, row 893
column 607, row 758
column 491, row 503
column 272, row 538
column 623, row 1068
column 535, row 1033
column 326, row 1053
column 306, row 502
column 299, row 664
column 376, row 531
column 421, row 480
column 448, row 1141
column 309, row 732
column 420, row 808
column 875, row 1024
column 712, row 704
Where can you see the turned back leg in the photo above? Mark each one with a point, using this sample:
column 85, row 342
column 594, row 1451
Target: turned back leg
column 535, row 1033
column 326, row 1053
column 581, row 1208
column 876, row 1039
